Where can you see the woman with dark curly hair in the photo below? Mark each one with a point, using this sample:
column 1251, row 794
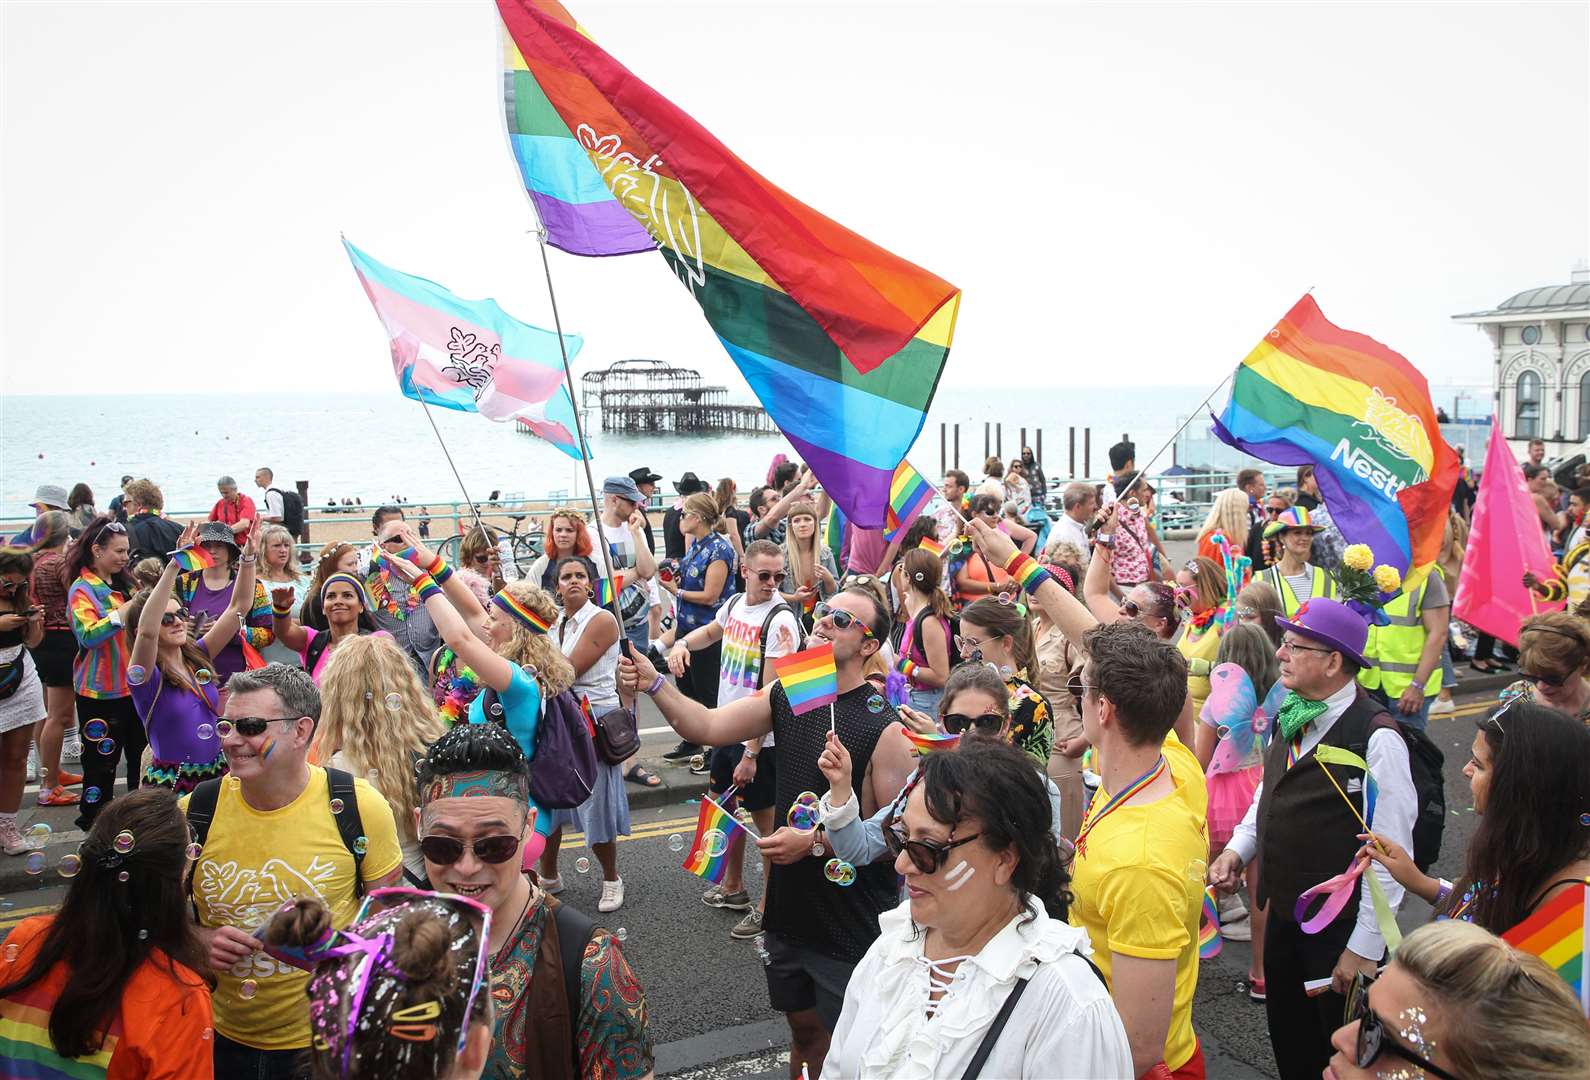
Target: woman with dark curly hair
column 983, row 928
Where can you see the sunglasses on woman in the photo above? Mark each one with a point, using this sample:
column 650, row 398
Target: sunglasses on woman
column 1374, row 1040
column 446, row 850
column 928, row 856
column 841, row 618
column 251, row 727
column 1550, row 681
column 987, row 724
column 171, row 618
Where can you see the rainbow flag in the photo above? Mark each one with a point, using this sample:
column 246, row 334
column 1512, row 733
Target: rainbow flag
column 809, row 678
column 842, row 341
column 833, row 533
column 192, row 558
column 470, row 355
column 936, row 740
column 1312, row 393
column 909, row 495
column 931, row 544
column 1209, row 926
column 1558, row 933
column 712, row 817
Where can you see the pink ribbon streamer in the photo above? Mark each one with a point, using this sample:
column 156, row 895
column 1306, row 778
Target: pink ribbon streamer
column 1337, row 891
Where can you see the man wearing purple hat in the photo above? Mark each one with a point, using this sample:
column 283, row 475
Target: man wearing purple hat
column 1305, row 834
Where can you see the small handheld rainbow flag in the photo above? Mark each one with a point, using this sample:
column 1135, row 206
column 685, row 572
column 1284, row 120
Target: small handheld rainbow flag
column 1557, row 933
column 712, row 819
column 932, row 545
column 192, row 558
column 810, row 678
column 926, row 744
column 1209, row 926
column 909, row 495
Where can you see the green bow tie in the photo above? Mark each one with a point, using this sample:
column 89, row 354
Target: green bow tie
column 1296, row 714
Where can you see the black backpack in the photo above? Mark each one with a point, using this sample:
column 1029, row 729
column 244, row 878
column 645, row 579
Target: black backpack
column 1425, row 762
column 339, row 793
column 292, row 511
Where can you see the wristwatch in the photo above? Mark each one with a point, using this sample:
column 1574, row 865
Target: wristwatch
column 750, row 753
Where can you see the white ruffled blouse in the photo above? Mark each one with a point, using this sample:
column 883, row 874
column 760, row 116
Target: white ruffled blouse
column 1065, row 1024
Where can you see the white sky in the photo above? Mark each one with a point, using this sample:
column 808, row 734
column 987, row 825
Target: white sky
column 1129, row 194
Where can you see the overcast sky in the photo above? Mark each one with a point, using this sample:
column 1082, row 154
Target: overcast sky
column 1127, row 193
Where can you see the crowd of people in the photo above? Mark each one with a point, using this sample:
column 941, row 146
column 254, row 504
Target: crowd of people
column 347, row 785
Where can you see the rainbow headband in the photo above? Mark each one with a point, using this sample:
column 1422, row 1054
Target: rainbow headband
column 526, row 618
column 346, row 579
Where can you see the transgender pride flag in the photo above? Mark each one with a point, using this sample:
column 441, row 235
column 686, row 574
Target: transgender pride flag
column 470, row 355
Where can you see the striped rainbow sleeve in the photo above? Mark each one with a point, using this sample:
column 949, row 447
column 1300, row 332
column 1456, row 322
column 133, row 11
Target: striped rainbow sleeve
column 259, row 626
column 90, row 624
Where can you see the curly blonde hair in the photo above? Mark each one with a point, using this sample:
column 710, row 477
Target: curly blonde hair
column 377, row 741
column 553, row 669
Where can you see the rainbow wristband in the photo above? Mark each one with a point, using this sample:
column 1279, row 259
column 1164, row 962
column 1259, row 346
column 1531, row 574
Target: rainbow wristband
column 1028, row 574
column 426, row 586
column 907, row 667
column 440, row 571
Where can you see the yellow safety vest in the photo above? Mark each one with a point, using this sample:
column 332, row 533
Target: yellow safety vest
column 1323, row 586
column 1395, row 649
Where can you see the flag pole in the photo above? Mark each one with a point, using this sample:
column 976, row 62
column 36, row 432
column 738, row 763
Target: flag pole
column 1201, row 407
column 473, row 509
column 579, row 432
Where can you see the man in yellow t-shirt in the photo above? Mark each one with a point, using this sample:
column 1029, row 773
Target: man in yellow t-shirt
column 1138, row 878
column 274, row 837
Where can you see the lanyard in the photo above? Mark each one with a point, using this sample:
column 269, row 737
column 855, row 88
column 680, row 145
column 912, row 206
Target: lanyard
column 1117, row 800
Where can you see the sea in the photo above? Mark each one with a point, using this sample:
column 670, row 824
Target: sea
column 374, row 446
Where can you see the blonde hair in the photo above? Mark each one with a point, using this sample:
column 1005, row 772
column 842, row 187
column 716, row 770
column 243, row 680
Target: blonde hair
column 1264, row 600
column 705, row 507
column 1228, row 515
column 553, row 669
column 1502, row 1012
column 803, row 559
column 1554, row 642
column 1208, row 579
column 266, row 537
column 377, row 741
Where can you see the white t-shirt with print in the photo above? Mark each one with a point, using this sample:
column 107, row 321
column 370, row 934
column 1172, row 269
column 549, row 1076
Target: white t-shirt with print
column 742, row 646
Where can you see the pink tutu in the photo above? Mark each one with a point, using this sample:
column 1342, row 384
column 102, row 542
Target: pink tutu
column 1230, row 794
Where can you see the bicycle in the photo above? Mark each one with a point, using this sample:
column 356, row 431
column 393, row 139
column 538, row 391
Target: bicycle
column 516, row 550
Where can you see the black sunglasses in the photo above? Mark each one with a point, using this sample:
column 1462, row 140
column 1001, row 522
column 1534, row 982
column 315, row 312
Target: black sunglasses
column 1076, row 687
column 446, row 850
column 841, row 618
column 171, row 618
column 1552, row 681
column 109, row 527
column 1130, row 609
column 986, row 724
column 251, row 726
column 1374, row 1040
column 926, row 855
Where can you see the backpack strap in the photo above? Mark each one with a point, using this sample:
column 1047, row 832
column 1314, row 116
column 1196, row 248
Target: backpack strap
column 574, row 934
column 317, row 649
column 339, row 786
column 767, row 624
column 201, row 813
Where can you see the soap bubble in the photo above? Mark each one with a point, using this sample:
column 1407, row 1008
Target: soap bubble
column 803, row 812
column 95, row 730
column 839, row 872
column 373, row 775
column 698, row 761
column 714, row 843
column 206, row 731
column 361, row 845
column 676, row 842
column 143, row 935
column 124, row 842
column 107, row 747
column 194, row 850
column 91, row 795
column 202, row 676
column 137, row 674
column 247, row 989
column 582, row 865
column 34, row 864
column 69, row 866
column 123, row 876
column 621, row 934
column 38, row 834
column 394, row 702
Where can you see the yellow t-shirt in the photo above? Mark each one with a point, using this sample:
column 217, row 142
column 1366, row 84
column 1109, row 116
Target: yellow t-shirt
column 1139, row 888
column 254, row 862
column 1205, row 646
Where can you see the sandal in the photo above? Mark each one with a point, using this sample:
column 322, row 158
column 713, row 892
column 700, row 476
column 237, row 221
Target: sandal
column 638, row 775
column 1489, row 668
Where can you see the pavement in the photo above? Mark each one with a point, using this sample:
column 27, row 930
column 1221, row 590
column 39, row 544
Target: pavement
column 705, row 992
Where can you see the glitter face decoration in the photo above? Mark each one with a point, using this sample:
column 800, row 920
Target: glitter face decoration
column 1411, row 1024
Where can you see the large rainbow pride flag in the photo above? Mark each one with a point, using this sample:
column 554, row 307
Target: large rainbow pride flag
column 1311, row 393
column 470, row 355
column 842, row 341
column 1558, row 933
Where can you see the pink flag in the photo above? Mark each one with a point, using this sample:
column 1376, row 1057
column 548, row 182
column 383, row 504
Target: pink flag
column 1504, row 541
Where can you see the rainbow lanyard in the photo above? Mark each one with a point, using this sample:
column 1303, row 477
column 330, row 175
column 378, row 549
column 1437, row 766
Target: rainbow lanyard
column 1292, row 749
column 1090, row 820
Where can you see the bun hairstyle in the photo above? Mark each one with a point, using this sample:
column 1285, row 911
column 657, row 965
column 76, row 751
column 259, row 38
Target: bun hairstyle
column 995, row 783
column 705, row 507
column 418, row 999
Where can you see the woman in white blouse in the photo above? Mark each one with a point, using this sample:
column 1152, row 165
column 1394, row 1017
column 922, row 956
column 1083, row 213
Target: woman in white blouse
column 977, row 973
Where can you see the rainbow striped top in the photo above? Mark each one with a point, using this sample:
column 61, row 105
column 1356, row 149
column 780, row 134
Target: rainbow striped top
column 100, row 670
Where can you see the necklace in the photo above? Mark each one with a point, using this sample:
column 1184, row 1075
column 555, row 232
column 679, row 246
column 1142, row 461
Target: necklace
column 459, row 686
column 513, row 934
column 1117, row 801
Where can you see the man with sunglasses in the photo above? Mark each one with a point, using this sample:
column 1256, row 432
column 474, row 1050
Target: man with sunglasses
column 755, row 628
column 567, row 1003
column 1304, row 824
column 816, row 932
column 274, row 834
column 396, row 607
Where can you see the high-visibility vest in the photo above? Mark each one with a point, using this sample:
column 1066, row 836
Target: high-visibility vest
column 1395, row 648
column 1323, row 586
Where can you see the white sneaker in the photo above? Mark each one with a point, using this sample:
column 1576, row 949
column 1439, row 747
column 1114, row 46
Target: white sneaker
column 612, row 896
column 1238, row 929
column 1442, row 706
column 552, row 885
column 72, row 750
column 11, row 841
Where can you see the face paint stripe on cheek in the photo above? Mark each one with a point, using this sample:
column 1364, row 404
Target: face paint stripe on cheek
column 959, row 875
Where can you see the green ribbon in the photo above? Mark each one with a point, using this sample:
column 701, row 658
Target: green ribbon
column 1385, row 918
column 1296, row 714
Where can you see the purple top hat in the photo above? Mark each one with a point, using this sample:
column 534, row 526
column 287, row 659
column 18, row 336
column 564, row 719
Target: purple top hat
column 1332, row 623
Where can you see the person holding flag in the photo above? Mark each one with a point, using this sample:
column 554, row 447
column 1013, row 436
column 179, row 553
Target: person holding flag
column 1304, row 823
column 816, row 931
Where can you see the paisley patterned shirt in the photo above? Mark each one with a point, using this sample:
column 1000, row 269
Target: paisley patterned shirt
column 610, row 1034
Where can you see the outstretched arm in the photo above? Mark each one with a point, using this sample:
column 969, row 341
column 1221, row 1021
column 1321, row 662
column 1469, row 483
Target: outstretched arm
column 1061, row 608
column 146, row 646
column 492, row 669
column 748, row 718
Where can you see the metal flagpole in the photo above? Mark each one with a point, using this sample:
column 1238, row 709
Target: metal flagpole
column 579, row 432
column 1202, row 406
column 473, row 509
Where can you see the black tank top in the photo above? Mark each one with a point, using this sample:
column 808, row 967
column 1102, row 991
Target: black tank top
column 803, row 905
